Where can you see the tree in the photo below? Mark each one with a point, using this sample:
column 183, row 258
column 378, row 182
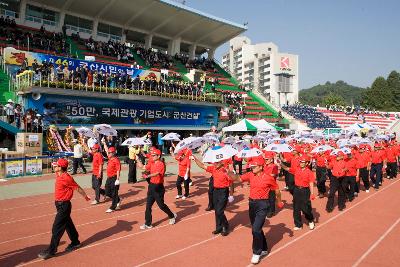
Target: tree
column 333, row 99
column 378, row 95
column 393, row 84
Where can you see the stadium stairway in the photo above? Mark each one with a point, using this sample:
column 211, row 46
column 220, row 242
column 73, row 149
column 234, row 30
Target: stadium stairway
column 343, row 120
column 5, row 94
column 256, row 107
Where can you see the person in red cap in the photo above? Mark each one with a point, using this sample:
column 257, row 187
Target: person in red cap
column 364, row 166
column 321, row 172
column 183, row 172
column 97, row 173
column 221, row 185
column 294, row 163
column 303, row 193
column 261, row 186
column 352, row 174
column 338, row 183
column 64, row 190
column 392, row 154
column 156, row 190
column 378, row 162
column 112, row 183
column 271, row 169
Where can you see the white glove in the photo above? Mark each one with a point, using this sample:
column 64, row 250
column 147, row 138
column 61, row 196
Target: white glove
column 116, row 182
column 231, row 199
column 186, row 177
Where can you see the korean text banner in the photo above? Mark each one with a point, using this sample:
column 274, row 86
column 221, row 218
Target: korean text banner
column 72, row 110
column 13, row 56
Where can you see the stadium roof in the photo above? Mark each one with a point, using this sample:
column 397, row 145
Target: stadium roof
column 164, row 19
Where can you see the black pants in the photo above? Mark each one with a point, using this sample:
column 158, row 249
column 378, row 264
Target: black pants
column 289, row 179
column 258, row 210
column 96, row 185
column 376, row 174
column 337, row 184
column 10, row 119
column 78, row 162
column 111, row 190
column 321, row 179
column 155, row 193
column 365, row 177
column 211, row 192
column 179, row 182
column 239, row 164
column 132, row 171
column 271, row 204
column 63, row 222
column 391, row 169
column 351, row 187
column 220, row 198
column 302, row 203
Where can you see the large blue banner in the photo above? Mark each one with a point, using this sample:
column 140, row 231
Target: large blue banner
column 16, row 57
column 73, row 110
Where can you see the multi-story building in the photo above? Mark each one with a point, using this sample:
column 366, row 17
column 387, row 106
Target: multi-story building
column 263, row 68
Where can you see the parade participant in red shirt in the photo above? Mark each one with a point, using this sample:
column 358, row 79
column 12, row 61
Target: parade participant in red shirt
column 156, row 190
column 183, row 172
column 364, row 166
column 112, row 183
column 261, row 186
column 97, row 173
column 321, row 172
column 64, row 190
column 378, row 162
column 272, row 170
column 303, row 193
column 392, row 154
column 352, row 175
column 338, row 183
column 294, row 163
column 222, row 182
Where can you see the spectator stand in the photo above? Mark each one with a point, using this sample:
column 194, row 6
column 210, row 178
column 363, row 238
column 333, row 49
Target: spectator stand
column 310, row 115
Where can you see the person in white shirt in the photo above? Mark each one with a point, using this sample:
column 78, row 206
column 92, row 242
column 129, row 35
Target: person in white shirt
column 9, row 109
column 78, row 157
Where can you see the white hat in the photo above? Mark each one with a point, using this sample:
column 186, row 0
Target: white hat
column 10, row 100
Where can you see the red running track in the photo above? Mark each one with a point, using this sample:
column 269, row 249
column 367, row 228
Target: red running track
column 366, row 233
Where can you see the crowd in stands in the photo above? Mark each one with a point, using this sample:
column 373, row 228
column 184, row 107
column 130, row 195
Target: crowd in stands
column 28, row 120
column 313, row 118
column 83, row 77
column 198, row 63
column 154, row 58
column 111, row 48
column 356, row 110
column 42, row 40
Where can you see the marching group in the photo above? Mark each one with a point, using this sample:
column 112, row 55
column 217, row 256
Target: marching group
column 344, row 166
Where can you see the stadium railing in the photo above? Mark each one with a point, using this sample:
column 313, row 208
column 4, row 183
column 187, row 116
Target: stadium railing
column 28, row 79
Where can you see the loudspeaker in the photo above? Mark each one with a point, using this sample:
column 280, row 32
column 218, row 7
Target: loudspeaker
column 36, row 96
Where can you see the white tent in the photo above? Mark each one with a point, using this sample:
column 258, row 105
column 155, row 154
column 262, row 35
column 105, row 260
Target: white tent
column 242, row 126
column 262, row 125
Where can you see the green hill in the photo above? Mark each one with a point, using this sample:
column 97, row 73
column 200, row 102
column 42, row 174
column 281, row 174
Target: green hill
column 320, row 94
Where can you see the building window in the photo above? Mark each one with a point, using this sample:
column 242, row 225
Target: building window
column 78, row 24
column 41, row 15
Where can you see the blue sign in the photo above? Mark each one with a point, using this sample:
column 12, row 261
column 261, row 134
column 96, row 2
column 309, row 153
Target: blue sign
column 73, row 110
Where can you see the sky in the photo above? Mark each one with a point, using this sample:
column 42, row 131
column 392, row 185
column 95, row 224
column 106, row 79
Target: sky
column 350, row 40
